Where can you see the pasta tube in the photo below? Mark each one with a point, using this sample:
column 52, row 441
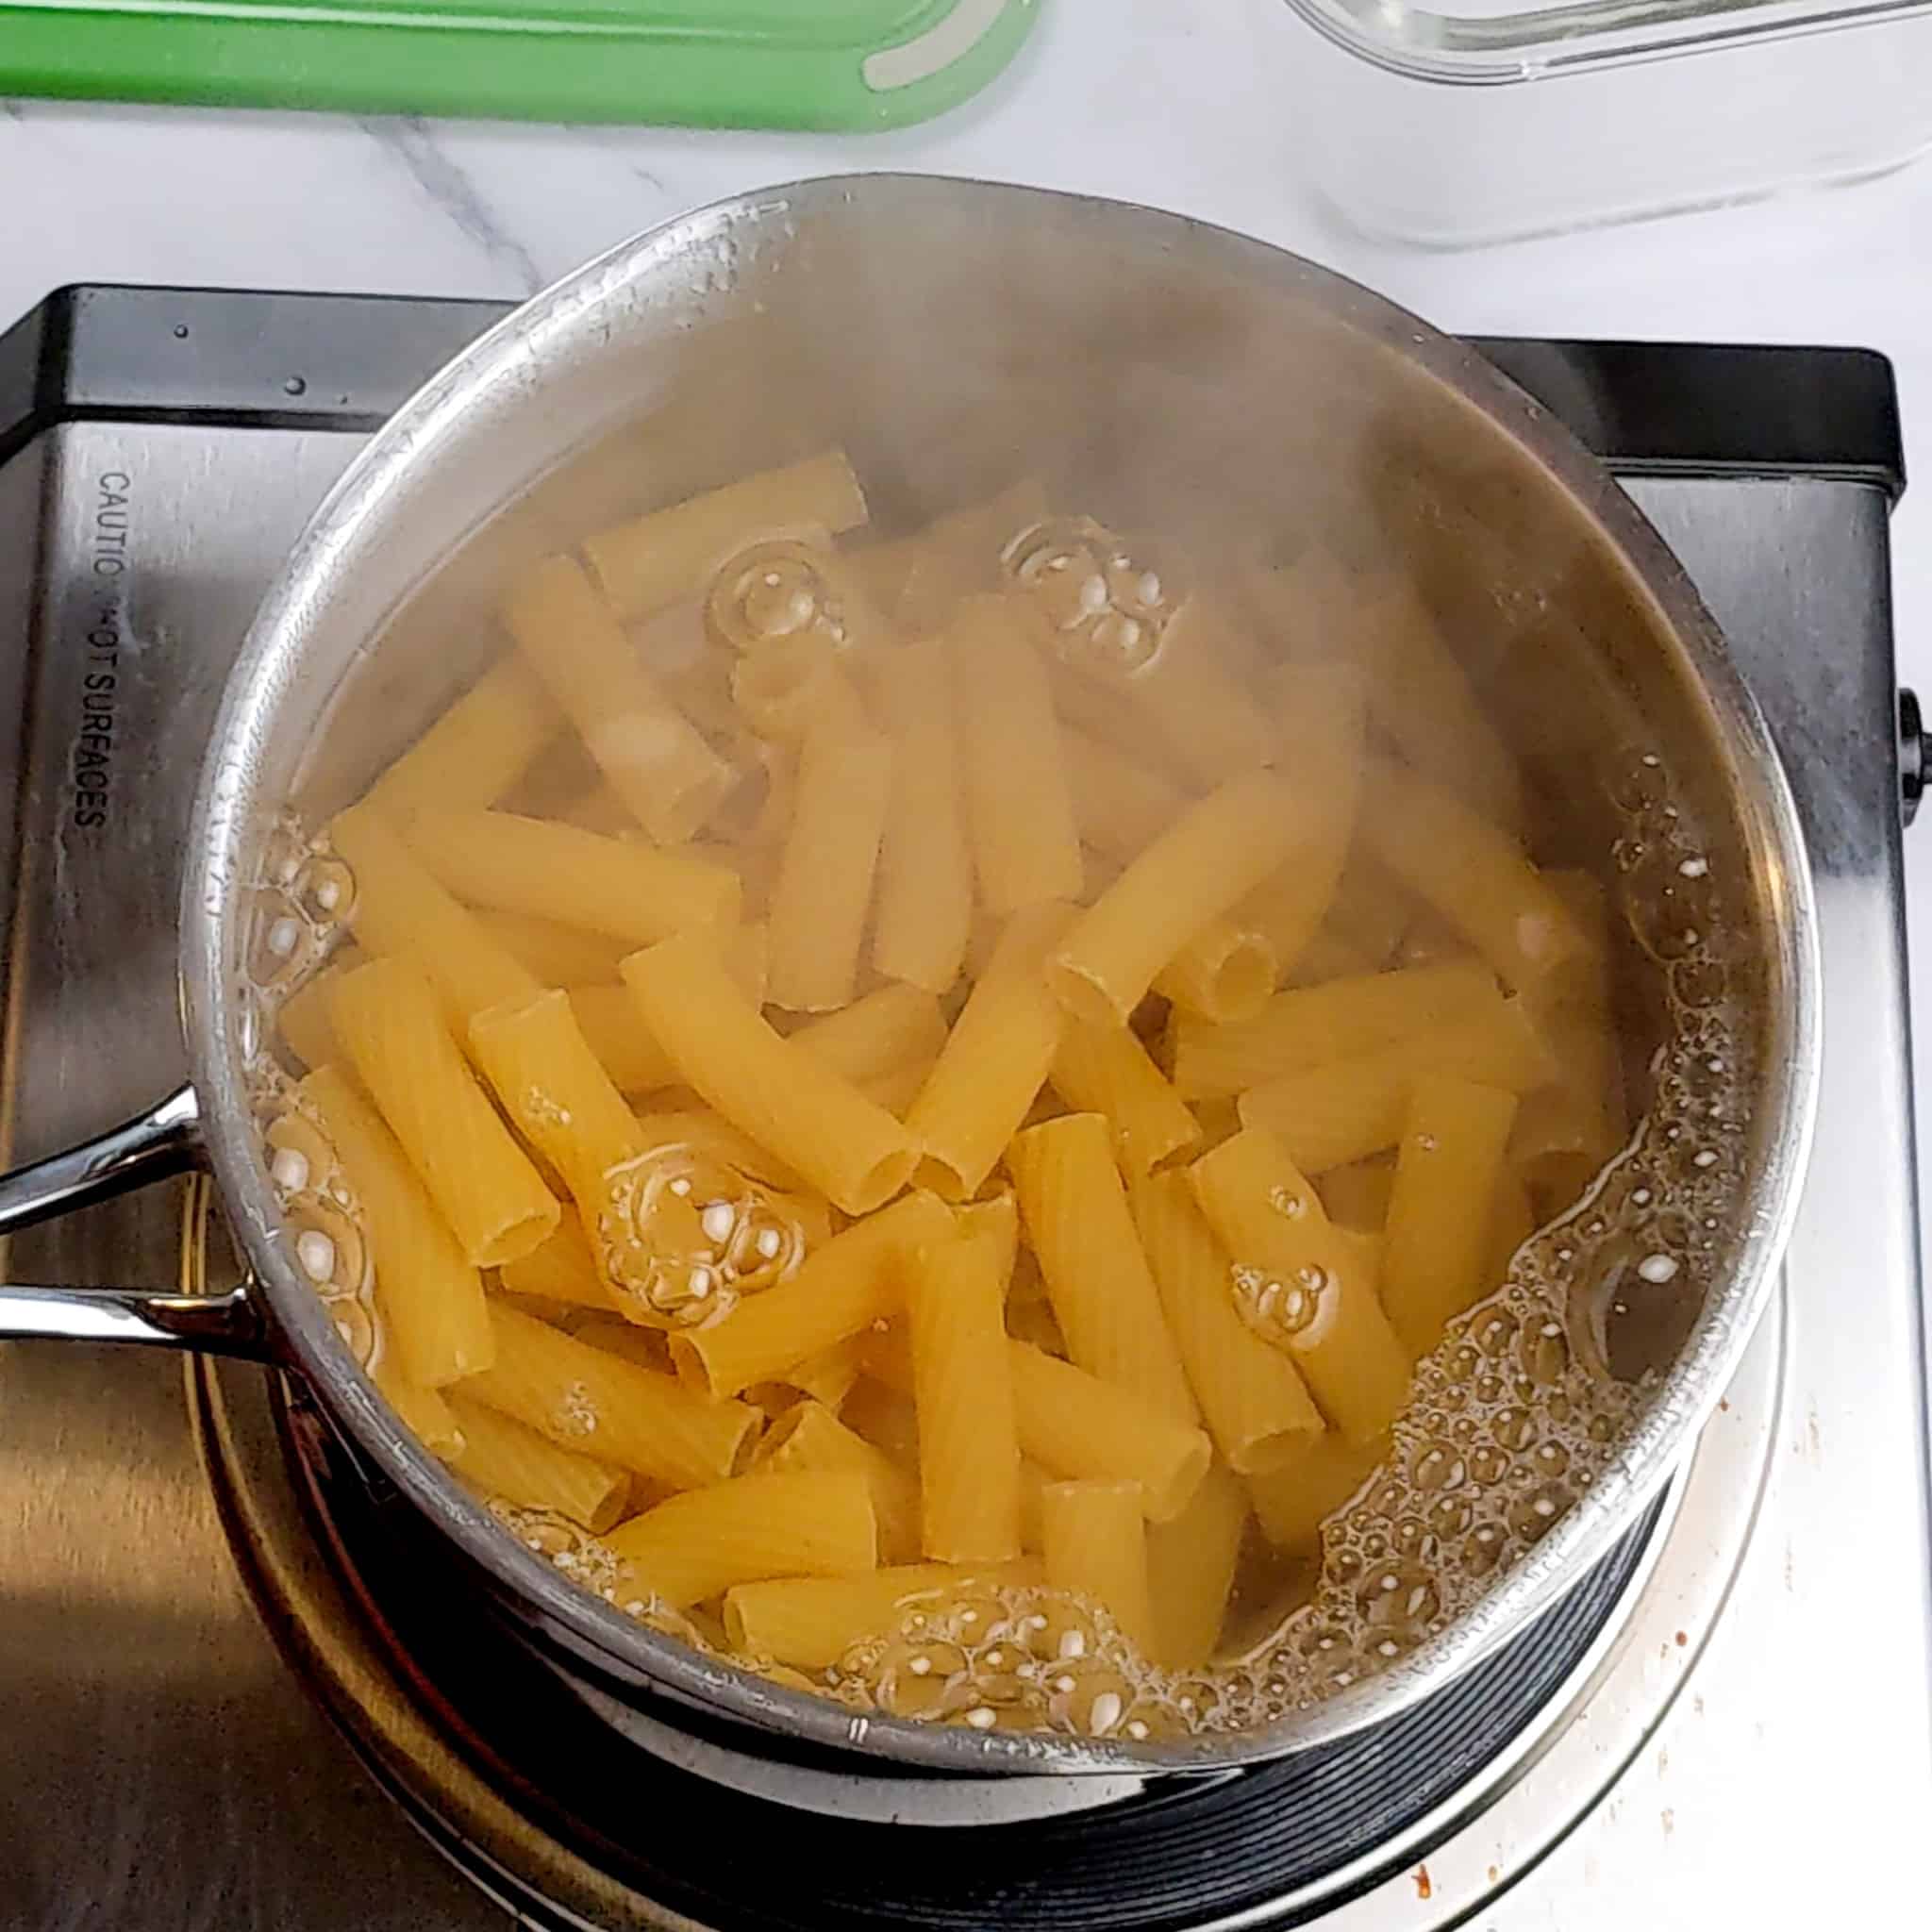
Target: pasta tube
column 876, row 1035
column 995, row 1223
column 610, row 1019
column 423, row 1412
column 1321, row 709
column 1075, row 1425
column 505, row 1458
column 1098, row 1279
column 614, row 1030
column 482, row 1183
column 1196, row 704
column 1106, row 1070
column 1071, row 1425
column 562, row 1100
column 556, row 955
column 1225, row 973
column 656, row 760
column 847, row 1285
column 811, row 1437
column 969, row 1451
column 1424, row 706
column 824, row 884
column 1292, row 1502
column 429, row 1296
column 1512, row 1221
column 1019, row 806
column 925, row 865
column 561, row 1270
column 1307, row 1281
column 1215, row 852
column 1257, row 1406
column 546, row 869
column 401, row 908
column 1120, row 804
column 788, row 688
column 596, row 1402
column 477, row 750
column 1437, row 1245
column 1471, row 873
column 1308, row 1025
column 303, row 1020
column 1330, row 1115
column 1191, row 1568
column 849, row 1149
column 994, row 1061
column 814, row 1522
column 811, row 1622
column 1093, row 1544
column 669, row 554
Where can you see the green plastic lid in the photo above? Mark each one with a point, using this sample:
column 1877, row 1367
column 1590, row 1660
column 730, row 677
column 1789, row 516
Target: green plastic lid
column 829, row 64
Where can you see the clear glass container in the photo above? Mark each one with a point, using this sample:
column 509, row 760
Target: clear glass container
column 1506, row 119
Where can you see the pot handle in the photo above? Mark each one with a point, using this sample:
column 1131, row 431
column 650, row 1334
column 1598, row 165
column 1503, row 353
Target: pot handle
column 155, row 1145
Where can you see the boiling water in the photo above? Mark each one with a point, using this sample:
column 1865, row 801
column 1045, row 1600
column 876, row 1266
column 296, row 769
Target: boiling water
column 1527, row 1403
column 1522, row 1407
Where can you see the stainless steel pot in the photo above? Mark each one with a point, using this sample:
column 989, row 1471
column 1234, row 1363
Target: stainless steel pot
column 1159, row 371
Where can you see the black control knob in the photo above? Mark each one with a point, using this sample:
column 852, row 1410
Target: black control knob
column 1914, row 755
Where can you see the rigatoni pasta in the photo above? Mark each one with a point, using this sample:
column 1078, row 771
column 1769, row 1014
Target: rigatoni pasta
column 655, row 758
column 593, row 1402
column 774, row 902
column 555, row 954
column 824, row 884
column 400, row 908
column 1191, row 1572
column 969, row 1445
column 424, row 1413
column 1098, row 1279
column 1302, row 1282
column 477, row 750
column 483, row 1184
column 811, row 1437
column 1438, row 1241
column 1471, row 873
column 852, row 1150
column 1093, row 1544
column 994, row 1061
column 431, row 1295
column 1106, row 1070
column 552, row 870
column 1215, row 852
column 1019, row 803
column 505, row 1458
column 1320, row 710
column 671, row 553
column 885, row 1030
column 561, row 1269
column 562, row 1101
column 1310, row 1026
column 1257, row 1406
column 850, row 1283
column 815, row 1522
column 1076, row 1426
column 810, row 1622
column 1347, row 1109
column 926, row 864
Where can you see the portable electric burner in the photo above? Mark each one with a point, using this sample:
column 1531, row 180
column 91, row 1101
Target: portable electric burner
column 1732, row 1714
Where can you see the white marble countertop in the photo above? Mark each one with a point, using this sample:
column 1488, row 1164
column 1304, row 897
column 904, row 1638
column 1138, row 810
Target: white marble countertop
column 1178, row 106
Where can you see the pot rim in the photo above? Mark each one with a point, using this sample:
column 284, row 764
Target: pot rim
column 225, row 813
